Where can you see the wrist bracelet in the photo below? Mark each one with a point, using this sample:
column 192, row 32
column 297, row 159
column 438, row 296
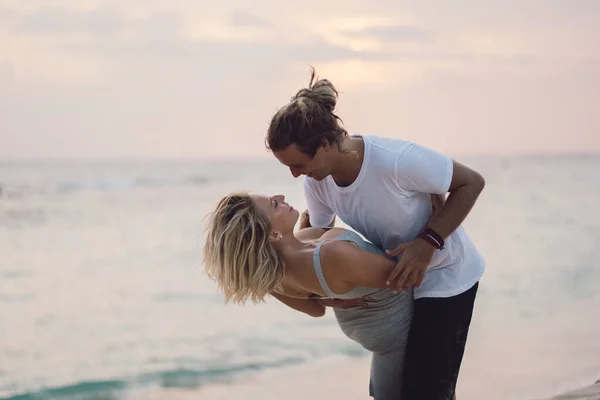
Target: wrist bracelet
column 433, row 238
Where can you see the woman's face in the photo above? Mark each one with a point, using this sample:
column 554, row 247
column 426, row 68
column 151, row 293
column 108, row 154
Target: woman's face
column 282, row 216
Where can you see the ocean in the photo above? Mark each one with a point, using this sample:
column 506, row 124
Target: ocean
column 103, row 295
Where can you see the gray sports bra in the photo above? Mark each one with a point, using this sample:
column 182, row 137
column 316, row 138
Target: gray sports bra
column 358, row 291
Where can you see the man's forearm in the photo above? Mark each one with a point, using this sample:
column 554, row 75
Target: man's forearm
column 456, row 208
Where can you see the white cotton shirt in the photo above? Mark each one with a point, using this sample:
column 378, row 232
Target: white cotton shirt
column 389, row 203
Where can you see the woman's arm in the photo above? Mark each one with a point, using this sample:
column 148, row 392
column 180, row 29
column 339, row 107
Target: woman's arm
column 321, row 213
column 307, row 306
column 305, row 220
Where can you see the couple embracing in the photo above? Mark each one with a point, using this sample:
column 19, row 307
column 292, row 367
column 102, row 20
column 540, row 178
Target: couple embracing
column 406, row 293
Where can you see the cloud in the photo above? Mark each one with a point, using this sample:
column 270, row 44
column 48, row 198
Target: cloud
column 210, row 52
column 182, row 78
column 125, row 42
column 393, row 33
column 247, row 19
column 7, row 74
column 68, row 21
column 6, row 14
column 158, row 41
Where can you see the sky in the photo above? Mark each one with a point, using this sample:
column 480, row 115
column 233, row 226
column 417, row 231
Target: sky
column 193, row 78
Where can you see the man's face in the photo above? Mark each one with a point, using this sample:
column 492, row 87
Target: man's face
column 300, row 163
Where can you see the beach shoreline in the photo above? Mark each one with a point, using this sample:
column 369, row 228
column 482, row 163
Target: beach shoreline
column 347, row 378
column 591, row 392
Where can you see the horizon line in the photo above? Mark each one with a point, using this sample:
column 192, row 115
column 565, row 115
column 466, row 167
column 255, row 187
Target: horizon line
column 267, row 156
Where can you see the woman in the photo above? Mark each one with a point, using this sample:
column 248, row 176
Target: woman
column 252, row 252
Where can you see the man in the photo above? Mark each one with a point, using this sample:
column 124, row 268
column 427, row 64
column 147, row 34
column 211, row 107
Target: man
column 383, row 189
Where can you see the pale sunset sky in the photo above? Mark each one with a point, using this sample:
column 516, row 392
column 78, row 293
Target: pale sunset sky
column 193, row 78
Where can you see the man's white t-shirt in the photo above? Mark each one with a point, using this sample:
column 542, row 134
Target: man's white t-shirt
column 389, row 203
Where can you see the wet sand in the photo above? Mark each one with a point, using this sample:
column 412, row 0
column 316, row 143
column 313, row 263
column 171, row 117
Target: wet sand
column 591, row 392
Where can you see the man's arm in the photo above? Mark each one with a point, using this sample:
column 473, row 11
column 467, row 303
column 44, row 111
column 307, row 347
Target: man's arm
column 464, row 190
column 307, row 306
column 437, row 202
column 465, row 187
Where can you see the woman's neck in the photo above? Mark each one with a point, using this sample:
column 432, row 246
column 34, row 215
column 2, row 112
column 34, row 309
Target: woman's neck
column 291, row 245
column 294, row 247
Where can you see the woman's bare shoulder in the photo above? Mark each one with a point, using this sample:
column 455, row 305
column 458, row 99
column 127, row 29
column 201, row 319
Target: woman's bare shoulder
column 319, row 233
column 347, row 262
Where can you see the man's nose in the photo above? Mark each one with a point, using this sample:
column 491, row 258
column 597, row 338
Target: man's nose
column 295, row 172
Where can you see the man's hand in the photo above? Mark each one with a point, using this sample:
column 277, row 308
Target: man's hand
column 415, row 271
column 343, row 303
column 411, row 268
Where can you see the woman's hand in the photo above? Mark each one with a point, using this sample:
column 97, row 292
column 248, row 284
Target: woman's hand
column 304, row 220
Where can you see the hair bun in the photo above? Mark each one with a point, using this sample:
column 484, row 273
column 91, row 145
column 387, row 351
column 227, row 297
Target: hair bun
column 320, row 91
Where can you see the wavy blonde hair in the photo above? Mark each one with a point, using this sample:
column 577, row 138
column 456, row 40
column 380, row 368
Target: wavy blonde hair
column 238, row 254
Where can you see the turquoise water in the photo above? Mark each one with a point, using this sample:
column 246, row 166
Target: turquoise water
column 102, row 293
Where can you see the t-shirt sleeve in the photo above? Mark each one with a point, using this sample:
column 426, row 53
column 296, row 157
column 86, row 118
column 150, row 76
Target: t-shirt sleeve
column 320, row 214
column 424, row 170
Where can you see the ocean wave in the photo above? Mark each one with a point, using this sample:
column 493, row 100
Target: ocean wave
column 178, row 378
column 99, row 184
column 129, row 183
column 16, row 298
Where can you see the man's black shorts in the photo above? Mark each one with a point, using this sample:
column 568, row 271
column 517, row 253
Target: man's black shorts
column 436, row 345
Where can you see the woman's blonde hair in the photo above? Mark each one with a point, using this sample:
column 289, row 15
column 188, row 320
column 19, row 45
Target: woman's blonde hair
column 238, row 253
